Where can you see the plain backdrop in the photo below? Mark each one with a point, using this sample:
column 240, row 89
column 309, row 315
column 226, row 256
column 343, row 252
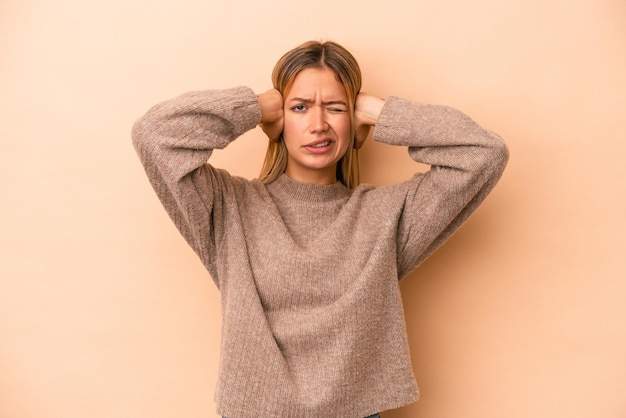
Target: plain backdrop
column 104, row 310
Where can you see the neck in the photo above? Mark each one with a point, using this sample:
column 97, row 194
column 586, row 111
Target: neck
column 326, row 176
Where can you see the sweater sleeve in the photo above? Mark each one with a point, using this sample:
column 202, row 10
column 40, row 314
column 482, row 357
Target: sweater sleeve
column 465, row 161
column 174, row 140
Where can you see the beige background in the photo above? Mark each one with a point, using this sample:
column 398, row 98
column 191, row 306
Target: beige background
column 105, row 312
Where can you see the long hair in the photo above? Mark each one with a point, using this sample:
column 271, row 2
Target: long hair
column 314, row 54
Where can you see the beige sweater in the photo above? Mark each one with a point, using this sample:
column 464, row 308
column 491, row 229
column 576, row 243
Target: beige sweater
column 313, row 323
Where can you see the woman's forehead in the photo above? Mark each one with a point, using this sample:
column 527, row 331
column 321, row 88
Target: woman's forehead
column 317, row 83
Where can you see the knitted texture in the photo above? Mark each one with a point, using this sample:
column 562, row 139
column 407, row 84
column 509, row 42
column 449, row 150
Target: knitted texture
column 313, row 323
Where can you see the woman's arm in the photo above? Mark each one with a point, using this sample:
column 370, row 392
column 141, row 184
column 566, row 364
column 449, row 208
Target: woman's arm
column 465, row 162
column 175, row 138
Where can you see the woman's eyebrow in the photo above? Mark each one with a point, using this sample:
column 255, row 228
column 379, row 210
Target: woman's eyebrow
column 329, row 102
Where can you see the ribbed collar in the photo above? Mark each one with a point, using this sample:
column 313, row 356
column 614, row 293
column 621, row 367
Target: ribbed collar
column 285, row 188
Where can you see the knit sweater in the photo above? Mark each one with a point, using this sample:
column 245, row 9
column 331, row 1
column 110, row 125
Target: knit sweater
column 313, row 324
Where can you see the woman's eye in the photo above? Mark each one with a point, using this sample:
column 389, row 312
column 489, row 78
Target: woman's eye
column 336, row 110
column 299, row 108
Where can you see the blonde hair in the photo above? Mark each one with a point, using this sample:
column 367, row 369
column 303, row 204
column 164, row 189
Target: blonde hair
column 314, row 54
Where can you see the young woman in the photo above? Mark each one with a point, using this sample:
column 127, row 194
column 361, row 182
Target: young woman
column 307, row 260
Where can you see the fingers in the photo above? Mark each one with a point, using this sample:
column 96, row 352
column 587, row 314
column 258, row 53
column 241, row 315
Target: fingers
column 271, row 105
column 367, row 109
column 361, row 134
column 366, row 112
column 273, row 130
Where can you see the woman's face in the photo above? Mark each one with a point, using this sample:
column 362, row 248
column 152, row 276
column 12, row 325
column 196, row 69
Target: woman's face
column 316, row 126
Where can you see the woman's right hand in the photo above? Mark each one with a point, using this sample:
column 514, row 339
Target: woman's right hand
column 271, row 104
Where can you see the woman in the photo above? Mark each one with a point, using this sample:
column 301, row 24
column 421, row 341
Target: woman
column 307, row 261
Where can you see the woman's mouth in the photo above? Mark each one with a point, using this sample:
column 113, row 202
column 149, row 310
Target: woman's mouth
column 321, row 144
column 319, row 147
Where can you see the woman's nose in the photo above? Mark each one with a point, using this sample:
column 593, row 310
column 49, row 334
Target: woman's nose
column 318, row 120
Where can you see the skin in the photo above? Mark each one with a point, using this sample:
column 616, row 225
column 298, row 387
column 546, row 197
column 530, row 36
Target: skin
column 314, row 120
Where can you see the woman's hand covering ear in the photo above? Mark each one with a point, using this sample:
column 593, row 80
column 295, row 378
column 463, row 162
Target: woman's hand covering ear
column 271, row 104
column 366, row 111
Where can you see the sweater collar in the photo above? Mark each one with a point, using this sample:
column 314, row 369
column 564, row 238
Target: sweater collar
column 285, row 187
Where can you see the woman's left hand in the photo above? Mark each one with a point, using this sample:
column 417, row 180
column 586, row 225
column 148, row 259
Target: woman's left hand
column 366, row 111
